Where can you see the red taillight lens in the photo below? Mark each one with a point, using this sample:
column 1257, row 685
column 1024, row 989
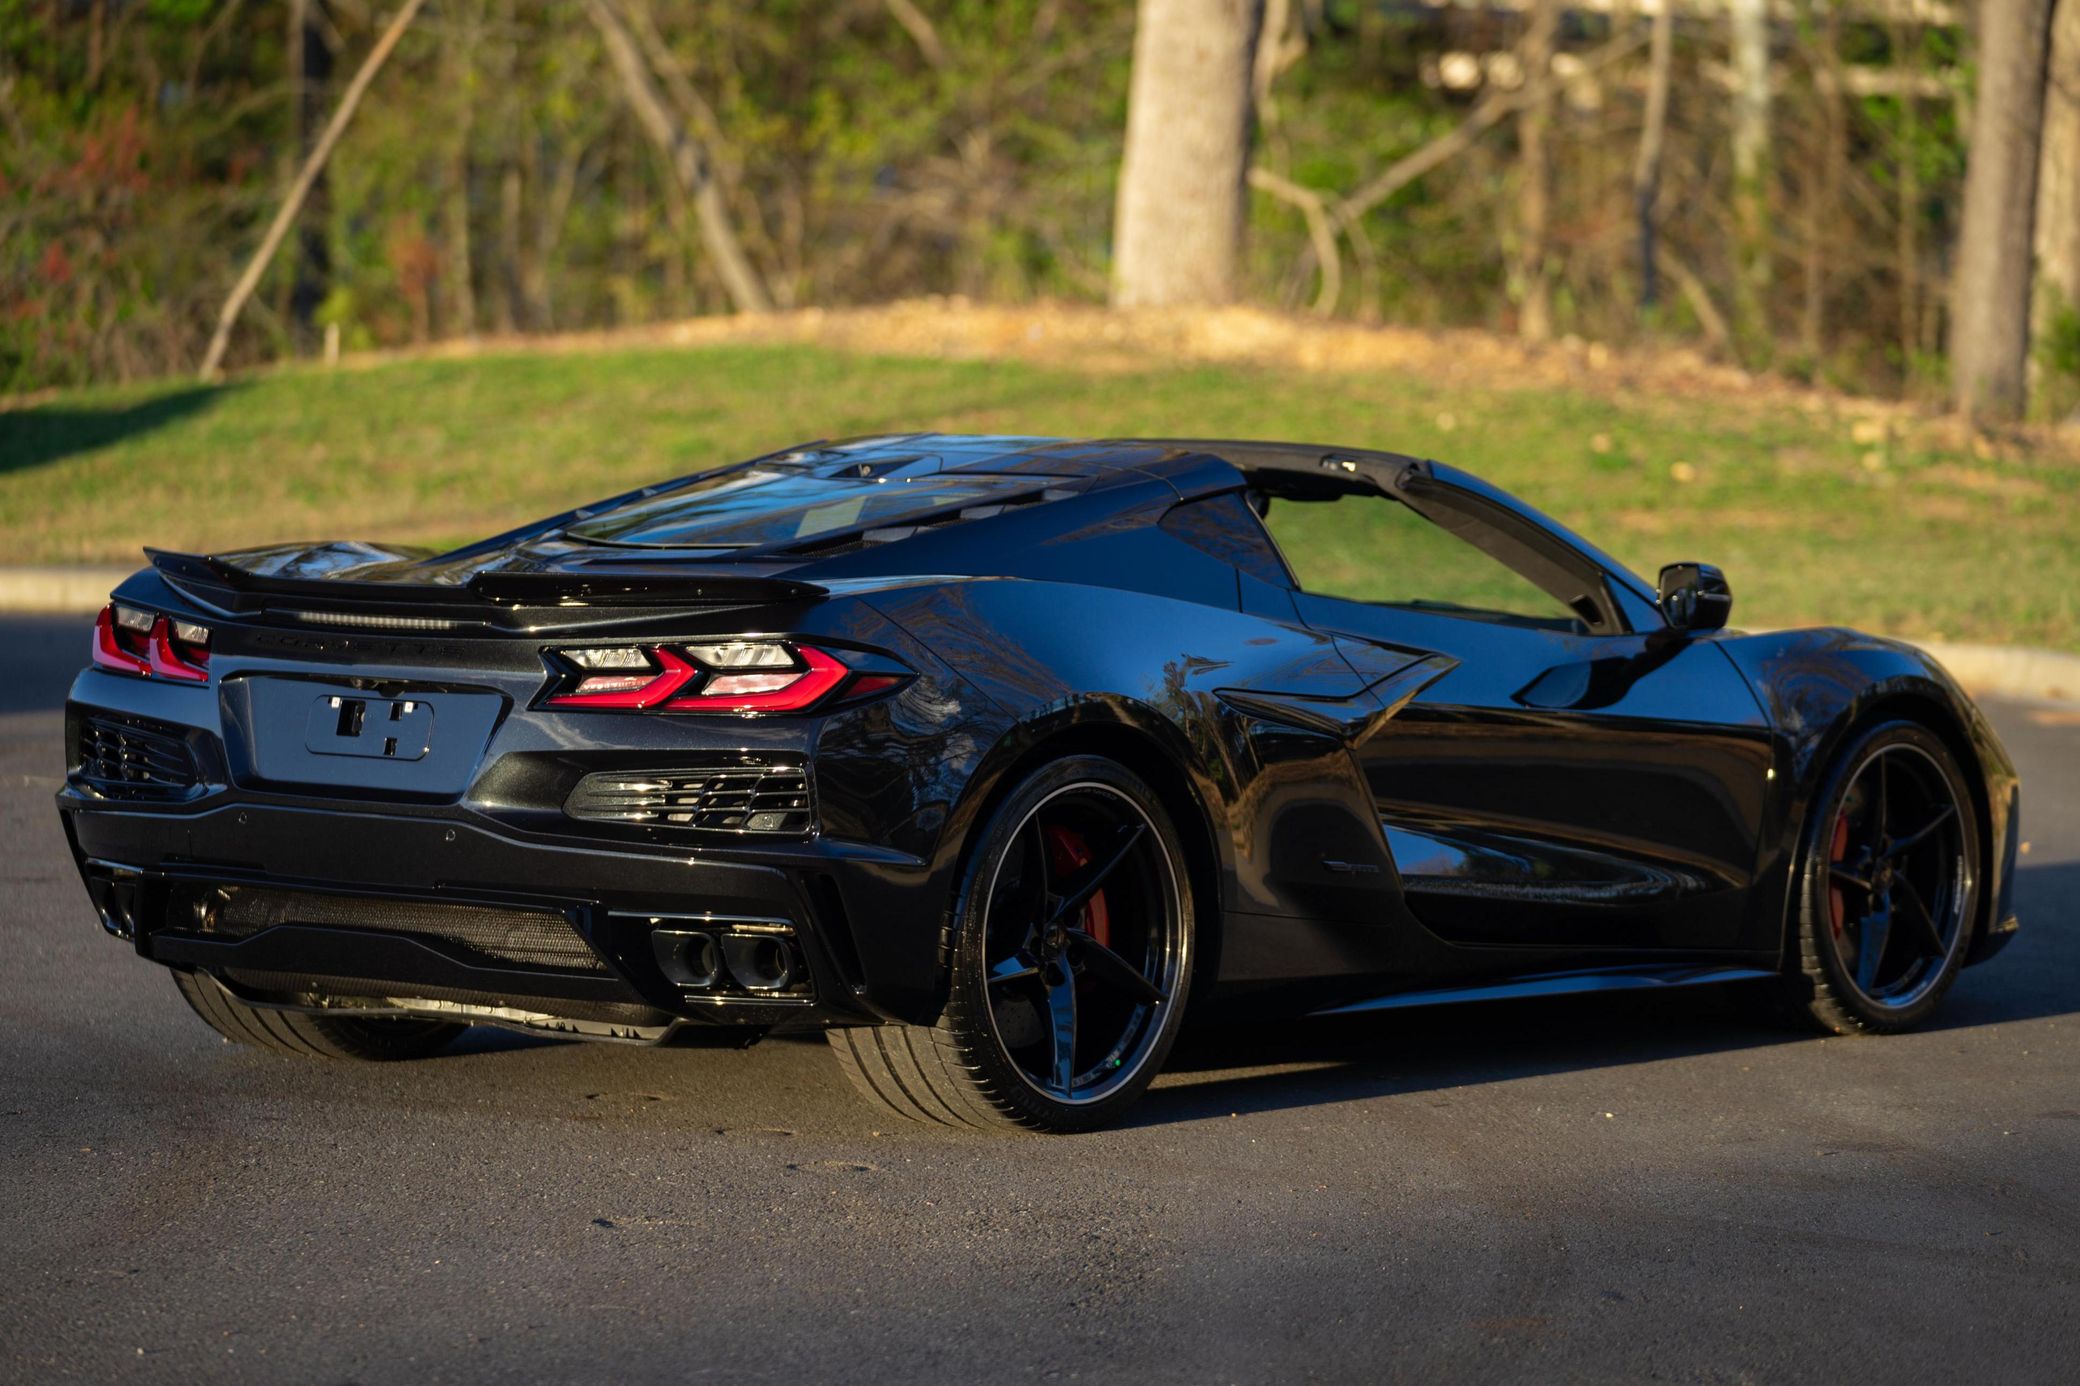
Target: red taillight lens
column 742, row 676
column 130, row 641
column 665, row 677
column 767, row 690
column 112, row 646
column 175, row 658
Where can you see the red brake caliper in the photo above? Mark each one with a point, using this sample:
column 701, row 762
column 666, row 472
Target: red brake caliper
column 1068, row 853
column 1837, row 911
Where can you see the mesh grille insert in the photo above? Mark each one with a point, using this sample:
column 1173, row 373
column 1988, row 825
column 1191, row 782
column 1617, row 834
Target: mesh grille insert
column 128, row 757
column 531, row 938
column 736, row 798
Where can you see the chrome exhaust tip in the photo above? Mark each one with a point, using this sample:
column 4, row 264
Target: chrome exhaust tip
column 760, row 962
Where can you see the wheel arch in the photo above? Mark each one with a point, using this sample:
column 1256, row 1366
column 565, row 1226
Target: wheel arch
column 1931, row 706
column 1144, row 742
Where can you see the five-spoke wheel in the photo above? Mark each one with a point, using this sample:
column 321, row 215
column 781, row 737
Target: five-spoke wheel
column 1082, row 941
column 1071, row 960
column 1891, row 867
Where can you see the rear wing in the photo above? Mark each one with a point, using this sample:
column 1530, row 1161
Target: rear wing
column 508, row 600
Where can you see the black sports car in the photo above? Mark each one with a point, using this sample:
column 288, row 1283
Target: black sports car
column 985, row 755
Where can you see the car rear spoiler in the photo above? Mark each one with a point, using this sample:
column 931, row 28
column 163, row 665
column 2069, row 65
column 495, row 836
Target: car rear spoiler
column 486, row 598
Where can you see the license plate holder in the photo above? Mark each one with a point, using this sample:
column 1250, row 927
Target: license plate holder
column 293, row 733
column 378, row 728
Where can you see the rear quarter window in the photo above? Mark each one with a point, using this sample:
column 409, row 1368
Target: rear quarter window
column 1227, row 528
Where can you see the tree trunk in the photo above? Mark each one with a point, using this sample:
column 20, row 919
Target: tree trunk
column 509, row 308
column 1177, row 228
column 349, row 101
column 310, row 74
column 1907, row 221
column 1823, row 185
column 689, row 162
column 1653, row 134
column 513, row 314
column 2058, row 191
column 1751, row 167
column 461, row 271
column 1990, row 293
column 1535, row 170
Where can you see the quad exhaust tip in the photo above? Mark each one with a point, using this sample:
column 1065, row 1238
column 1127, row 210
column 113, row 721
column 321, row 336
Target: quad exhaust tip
column 728, row 957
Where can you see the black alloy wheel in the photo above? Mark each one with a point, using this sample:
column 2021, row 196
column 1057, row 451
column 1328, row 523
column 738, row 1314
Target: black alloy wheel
column 1889, row 883
column 1070, row 967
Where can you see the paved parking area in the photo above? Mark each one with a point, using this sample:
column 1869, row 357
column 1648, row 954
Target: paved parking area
column 1597, row 1188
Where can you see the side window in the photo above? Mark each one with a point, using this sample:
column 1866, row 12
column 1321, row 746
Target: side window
column 1225, row 527
column 1377, row 550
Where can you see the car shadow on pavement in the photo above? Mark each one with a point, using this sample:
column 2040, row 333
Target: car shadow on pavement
column 1218, row 1070
column 1221, row 1070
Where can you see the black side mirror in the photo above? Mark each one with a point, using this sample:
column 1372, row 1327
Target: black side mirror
column 1694, row 597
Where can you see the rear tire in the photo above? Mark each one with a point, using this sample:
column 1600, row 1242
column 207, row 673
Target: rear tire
column 373, row 1038
column 1070, row 971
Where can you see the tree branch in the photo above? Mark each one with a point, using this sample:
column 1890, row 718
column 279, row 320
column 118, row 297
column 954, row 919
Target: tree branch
column 692, row 104
column 1487, row 113
column 285, row 216
column 1319, row 231
column 1694, row 292
column 688, row 161
column 915, row 24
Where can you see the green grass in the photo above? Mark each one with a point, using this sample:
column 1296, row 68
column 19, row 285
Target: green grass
column 1924, row 543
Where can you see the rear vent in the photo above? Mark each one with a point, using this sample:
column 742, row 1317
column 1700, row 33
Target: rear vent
column 742, row 798
column 130, row 758
column 528, row 938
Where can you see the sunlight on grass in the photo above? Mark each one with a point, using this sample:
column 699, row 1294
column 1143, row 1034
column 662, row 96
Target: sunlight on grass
column 1807, row 527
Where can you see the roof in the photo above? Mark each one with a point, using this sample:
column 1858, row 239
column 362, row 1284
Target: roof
column 822, row 494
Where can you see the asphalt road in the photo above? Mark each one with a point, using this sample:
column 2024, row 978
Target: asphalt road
column 1590, row 1189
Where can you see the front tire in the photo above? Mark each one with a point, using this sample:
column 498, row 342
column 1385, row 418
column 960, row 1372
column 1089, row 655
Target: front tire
column 1887, row 883
column 305, row 1036
column 1071, row 964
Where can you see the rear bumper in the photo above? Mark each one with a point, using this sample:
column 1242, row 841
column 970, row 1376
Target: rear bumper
column 156, row 873
column 178, row 789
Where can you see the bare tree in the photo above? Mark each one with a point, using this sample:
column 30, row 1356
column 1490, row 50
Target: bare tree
column 1653, row 134
column 919, row 27
column 1906, row 49
column 1821, row 194
column 1178, row 223
column 285, row 217
column 1990, row 293
column 691, row 165
column 310, row 72
column 1749, row 21
column 459, row 281
column 1330, row 216
column 1535, row 170
column 2058, row 191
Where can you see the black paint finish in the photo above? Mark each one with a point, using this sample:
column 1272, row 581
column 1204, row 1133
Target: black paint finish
column 1381, row 801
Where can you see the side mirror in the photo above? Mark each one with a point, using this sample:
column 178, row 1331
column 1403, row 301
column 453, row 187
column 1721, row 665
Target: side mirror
column 1694, row 597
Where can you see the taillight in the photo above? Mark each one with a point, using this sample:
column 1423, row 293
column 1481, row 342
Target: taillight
column 128, row 640
column 735, row 676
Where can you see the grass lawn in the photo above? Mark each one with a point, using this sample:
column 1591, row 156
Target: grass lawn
column 1811, row 523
